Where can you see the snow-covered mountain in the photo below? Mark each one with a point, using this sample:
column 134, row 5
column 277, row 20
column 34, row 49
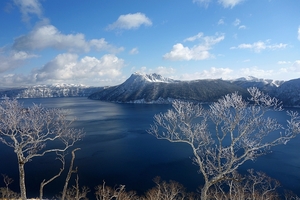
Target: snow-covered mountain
column 153, row 88
column 289, row 92
column 46, row 91
column 157, row 78
column 266, row 85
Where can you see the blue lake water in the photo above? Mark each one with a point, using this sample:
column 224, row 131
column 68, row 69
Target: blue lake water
column 118, row 149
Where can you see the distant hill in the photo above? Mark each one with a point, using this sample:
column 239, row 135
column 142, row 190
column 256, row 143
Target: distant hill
column 289, row 92
column 46, row 91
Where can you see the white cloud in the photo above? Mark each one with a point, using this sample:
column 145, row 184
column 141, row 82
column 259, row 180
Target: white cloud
column 212, row 73
column 134, row 51
column 256, row 72
column 291, row 71
column 13, row 60
column 296, row 66
column 197, row 52
column 224, row 3
column 64, row 68
column 221, row 21
column 299, row 33
column 204, row 3
column 193, row 38
column 229, row 74
column 229, row 3
column 259, row 46
column 130, row 21
column 283, row 62
column 28, row 7
column 48, row 36
column 67, row 67
column 236, row 22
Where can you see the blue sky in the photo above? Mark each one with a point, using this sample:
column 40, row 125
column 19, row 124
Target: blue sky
column 102, row 42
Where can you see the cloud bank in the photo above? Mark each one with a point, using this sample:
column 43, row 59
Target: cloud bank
column 48, row 36
column 69, row 68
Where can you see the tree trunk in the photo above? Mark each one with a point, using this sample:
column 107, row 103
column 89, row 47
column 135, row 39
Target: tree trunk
column 204, row 191
column 22, row 179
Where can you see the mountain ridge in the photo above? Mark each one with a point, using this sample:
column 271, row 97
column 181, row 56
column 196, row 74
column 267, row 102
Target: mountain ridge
column 154, row 88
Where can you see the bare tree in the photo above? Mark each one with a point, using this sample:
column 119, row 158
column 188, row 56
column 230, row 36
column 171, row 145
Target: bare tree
column 70, row 172
column 254, row 186
column 166, row 191
column 7, row 193
column 75, row 193
column 104, row 192
column 241, row 132
column 61, row 158
column 29, row 130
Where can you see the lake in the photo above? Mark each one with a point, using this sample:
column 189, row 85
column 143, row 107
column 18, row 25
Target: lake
column 117, row 149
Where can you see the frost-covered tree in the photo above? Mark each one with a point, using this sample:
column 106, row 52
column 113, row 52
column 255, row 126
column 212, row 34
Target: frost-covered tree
column 226, row 134
column 29, row 131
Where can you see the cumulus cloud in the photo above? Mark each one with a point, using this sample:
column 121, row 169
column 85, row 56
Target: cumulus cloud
column 229, row 3
column 13, row 59
column 68, row 67
column 197, row 52
column 259, row 46
column 130, row 21
column 13, row 80
column 48, row 36
column 29, row 7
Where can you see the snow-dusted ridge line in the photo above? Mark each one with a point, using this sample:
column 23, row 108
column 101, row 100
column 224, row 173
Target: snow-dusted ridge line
column 272, row 82
column 153, row 78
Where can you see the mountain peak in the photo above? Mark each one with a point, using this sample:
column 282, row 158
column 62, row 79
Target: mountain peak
column 154, row 77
